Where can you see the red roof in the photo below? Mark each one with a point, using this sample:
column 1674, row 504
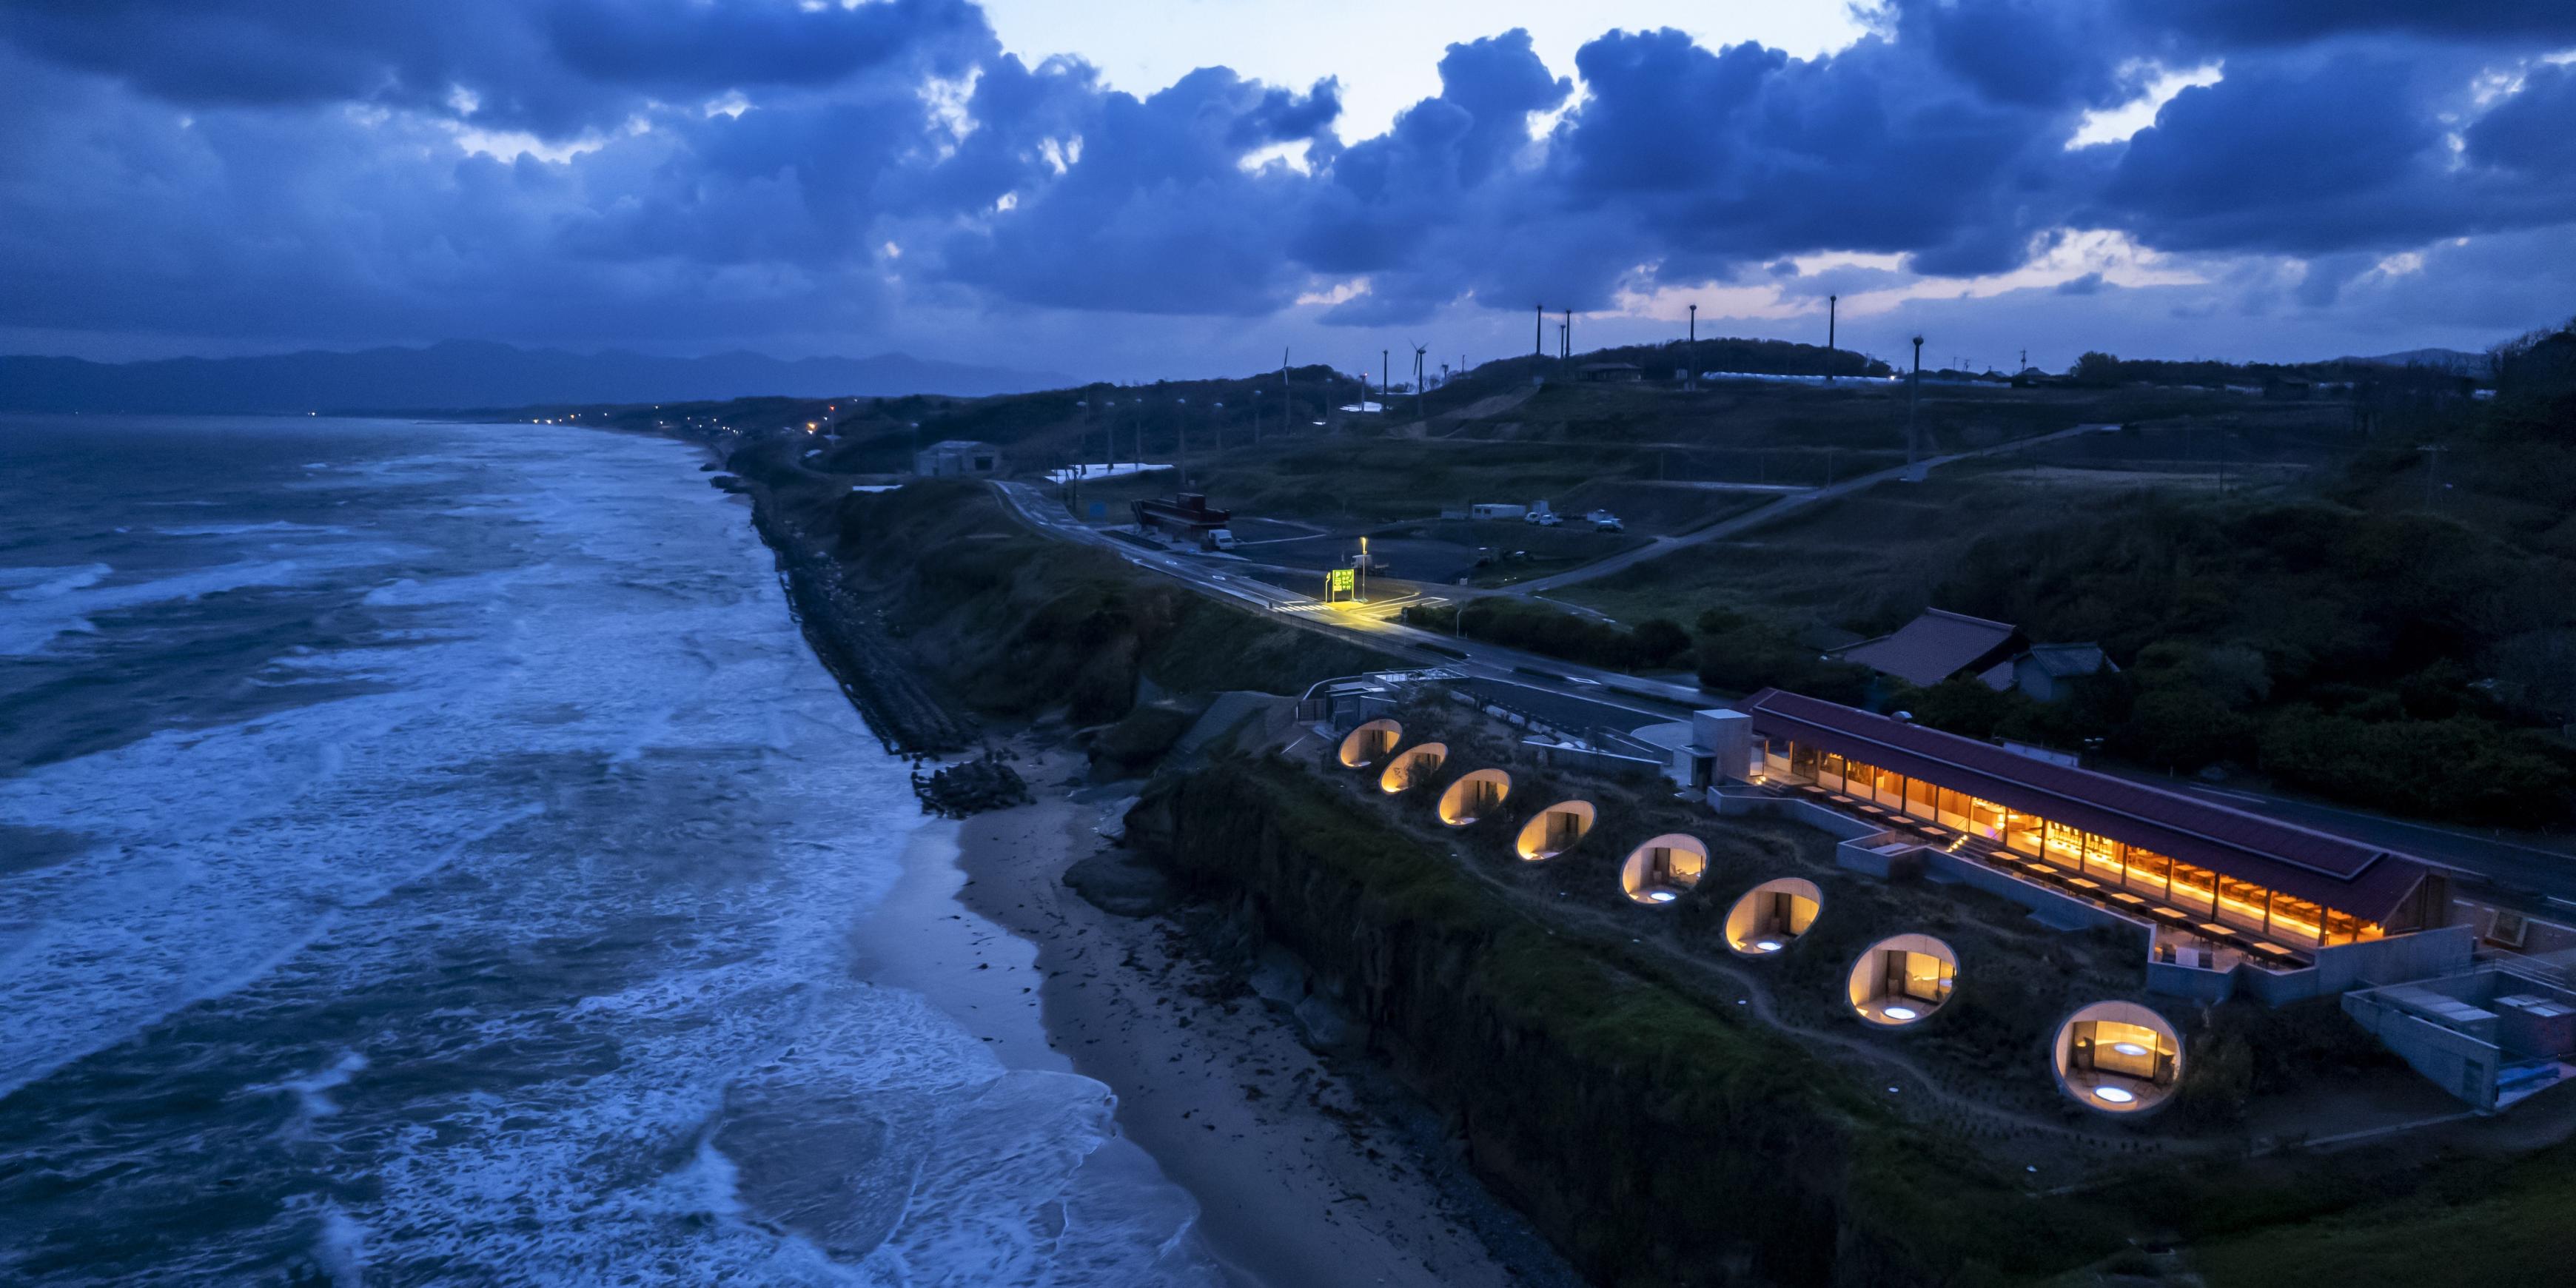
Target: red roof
column 2341, row 873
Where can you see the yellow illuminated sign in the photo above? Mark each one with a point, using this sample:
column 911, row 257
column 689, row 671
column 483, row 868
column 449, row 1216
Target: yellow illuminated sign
column 1343, row 579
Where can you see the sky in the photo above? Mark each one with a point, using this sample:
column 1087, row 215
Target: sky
column 1171, row 188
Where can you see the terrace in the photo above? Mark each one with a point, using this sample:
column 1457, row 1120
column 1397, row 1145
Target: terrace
column 2214, row 887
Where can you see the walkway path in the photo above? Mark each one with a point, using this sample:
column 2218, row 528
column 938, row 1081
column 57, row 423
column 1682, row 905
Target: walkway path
column 1786, row 505
column 1604, row 930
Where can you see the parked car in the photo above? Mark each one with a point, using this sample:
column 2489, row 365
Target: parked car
column 1543, row 518
column 1604, row 521
column 1220, row 539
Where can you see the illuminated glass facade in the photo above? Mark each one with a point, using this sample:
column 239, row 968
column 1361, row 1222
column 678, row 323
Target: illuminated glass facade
column 2241, row 905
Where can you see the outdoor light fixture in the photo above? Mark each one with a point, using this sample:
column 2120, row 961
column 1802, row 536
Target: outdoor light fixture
column 1767, row 945
column 1662, row 896
column 2113, row 1095
column 1901, row 1013
column 2128, row 1048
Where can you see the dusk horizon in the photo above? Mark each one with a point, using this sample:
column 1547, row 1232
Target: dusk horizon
column 1287, row 643
column 2161, row 180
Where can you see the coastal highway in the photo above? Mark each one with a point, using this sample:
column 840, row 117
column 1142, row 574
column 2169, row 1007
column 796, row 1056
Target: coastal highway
column 1591, row 700
column 1581, row 699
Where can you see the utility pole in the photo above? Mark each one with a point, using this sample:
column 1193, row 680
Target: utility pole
column 2432, row 471
column 1538, row 335
column 1693, row 382
column 1287, row 405
column 1913, row 392
column 1569, row 334
column 1832, row 303
column 1385, row 376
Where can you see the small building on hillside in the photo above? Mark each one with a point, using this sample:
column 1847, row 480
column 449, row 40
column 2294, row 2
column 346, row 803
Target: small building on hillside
column 1613, row 372
column 1941, row 645
column 958, row 458
column 1938, row 645
column 2048, row 672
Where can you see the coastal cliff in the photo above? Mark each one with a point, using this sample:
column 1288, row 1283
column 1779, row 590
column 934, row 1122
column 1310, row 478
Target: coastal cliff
column 1653, row 1140
column 934, row 607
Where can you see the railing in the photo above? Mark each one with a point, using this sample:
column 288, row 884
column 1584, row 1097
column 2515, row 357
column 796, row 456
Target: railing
column 2536, row 969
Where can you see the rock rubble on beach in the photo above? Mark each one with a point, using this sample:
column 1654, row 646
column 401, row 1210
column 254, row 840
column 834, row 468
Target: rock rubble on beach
column 970, row 787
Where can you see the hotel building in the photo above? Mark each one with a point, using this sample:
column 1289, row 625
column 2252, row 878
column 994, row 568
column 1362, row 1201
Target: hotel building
column 2217, row 884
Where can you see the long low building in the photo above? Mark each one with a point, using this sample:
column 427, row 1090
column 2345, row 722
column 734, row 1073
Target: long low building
column 2276, row 882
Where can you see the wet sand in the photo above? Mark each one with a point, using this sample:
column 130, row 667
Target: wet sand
column 1301, row 1178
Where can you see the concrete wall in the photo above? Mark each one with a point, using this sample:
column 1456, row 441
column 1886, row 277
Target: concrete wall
column 1881, row 857
column 2456, row 1062
column 2173, row 979
column 2421, row 955
column 2338, row 969
column 1592, row 758
column 1832, row 823
column 1728, row 735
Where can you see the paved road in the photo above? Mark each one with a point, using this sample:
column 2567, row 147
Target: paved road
column 2532, row 866
column 1779, row 509
column 1602, row 700
column 1608, row 700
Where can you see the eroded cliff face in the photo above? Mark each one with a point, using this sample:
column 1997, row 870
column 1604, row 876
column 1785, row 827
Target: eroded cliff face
column 1654, row 1140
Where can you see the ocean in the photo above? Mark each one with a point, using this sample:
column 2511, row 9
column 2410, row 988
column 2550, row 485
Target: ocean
column 429, row 853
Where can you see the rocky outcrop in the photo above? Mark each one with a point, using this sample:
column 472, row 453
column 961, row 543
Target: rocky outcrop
column 970, row 787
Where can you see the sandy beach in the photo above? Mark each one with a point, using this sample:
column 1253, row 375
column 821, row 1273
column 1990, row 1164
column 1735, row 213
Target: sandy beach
column 1308, row 1172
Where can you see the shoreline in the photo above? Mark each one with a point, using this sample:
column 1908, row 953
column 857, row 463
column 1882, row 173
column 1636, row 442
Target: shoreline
column 1305, row 1170
column 1299, row 1175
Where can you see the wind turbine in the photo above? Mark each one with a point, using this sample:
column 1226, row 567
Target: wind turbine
column 1418, row 351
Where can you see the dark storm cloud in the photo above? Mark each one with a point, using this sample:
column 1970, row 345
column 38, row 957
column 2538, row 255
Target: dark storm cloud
column 548, row 65
column 2237, row 23
column 2312, row 155
column 2534, row 132
column 1157, row 215
column 290, row 167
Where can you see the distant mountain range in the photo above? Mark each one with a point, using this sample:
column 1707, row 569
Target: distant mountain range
column 2455, row 361
column 465, row 375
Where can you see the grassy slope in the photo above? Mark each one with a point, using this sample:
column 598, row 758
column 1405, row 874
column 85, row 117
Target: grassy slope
column 1018, row 623
column 2488, row 1224
column 1749, row 1104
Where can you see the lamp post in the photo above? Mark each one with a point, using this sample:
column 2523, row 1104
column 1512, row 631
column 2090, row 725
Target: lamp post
column 1913, row 393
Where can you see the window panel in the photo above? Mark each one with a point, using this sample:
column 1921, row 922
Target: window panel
column 2242, row 903
column 2297, row 921
column 2193, row 888
column 2101, row 858
column 2021, row 832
